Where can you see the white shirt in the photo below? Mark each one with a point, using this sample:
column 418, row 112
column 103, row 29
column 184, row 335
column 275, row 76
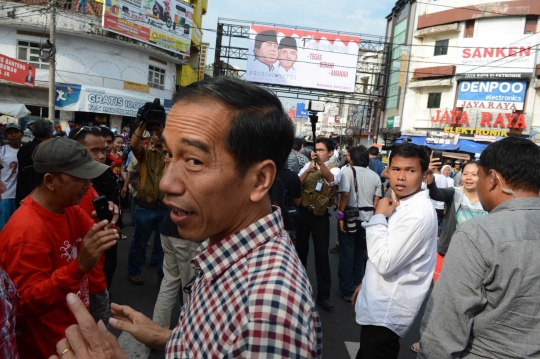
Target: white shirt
column 441, row 182
column 335, row 171
column 10, row 171
column 261, row 66
column 402, row 254
column 450, row 181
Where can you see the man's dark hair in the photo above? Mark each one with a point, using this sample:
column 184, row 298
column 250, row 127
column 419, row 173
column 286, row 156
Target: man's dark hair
column 287, row 43
column 80, row 135
column 297, row 144
column 374, row 151
column 410, row 150
column 38, row 177
column 42, row 128
column 264, row 36
column 106, row 132
column 327, row 142
column 517, row 160
column 359, row 156
column 260, row 129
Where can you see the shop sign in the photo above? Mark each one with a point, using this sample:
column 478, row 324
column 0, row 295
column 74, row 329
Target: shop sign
column 135, row 87
column 488, row 119
column 442, row 138
column 71, row 97
column 390, row 122
column 16, row 71
column 507, row 95
column 476, row 131
column 485, row 138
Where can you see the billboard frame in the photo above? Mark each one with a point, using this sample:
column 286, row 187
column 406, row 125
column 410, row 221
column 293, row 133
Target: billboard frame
column 232, row 30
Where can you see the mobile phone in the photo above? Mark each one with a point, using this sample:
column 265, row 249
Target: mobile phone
column 101, row 205
column 437, row 155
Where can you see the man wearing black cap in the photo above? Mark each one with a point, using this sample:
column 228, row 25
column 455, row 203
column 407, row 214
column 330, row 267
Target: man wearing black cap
column 10, row 170
column 50, row 244
column 71, row 126
column 266, row 51
column 287, row 56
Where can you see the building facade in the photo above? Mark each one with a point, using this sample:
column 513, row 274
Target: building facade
column 464, row 72
column 118, row 72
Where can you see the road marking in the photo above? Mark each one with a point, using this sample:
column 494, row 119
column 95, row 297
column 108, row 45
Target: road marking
column 352, row 348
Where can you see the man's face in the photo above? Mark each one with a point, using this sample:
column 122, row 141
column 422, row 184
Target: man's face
column 108, row 144
column 268, row 53
column 200, row 181
column 71, row 124
column 323, row 152
column 156, row 143
column 484, row 183
column 71, row 189
column 406, row 176
column 14, row 136
column 287, row 57
column 96, row 147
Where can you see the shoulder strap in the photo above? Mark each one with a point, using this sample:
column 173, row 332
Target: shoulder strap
column 355, row 182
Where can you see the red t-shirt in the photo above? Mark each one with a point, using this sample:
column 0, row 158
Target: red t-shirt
column 38, row 250
column 116, row 163
column 96, row 277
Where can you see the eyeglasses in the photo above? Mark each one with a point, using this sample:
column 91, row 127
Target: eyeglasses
column 87, row 129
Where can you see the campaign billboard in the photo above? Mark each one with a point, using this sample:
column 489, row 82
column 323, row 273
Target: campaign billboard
column 496, row 57
column 301, row 58
column 508, row 95
column 16, row 71
column 163, row 23
column 71, row 97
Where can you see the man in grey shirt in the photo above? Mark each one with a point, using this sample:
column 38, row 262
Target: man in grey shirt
column 486, row 301
column 365, row 196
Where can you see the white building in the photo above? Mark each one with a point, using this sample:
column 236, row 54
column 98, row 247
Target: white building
column 463, row 71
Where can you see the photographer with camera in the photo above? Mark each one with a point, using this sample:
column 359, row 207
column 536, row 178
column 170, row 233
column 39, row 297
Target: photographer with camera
column 360, row 190
column 149, row 208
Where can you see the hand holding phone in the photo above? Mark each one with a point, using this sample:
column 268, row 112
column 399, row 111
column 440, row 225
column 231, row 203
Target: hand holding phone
column 101, row 205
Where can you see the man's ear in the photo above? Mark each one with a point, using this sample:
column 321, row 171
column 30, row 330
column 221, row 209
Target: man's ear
column 492, row 180
column 263, row 175
column 48, row 181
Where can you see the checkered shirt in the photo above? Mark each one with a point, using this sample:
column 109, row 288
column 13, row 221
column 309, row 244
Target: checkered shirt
column 251, row 299
column 8, row 306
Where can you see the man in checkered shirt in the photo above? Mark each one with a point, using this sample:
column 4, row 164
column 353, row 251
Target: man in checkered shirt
column 224, row 142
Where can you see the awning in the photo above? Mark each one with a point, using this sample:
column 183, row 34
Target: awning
column 458, row 156
column 13, row 110
column 431, row 83
column 471, row 146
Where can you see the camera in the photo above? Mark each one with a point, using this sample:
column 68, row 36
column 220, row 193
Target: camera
column 391, row 142
column 153, row 113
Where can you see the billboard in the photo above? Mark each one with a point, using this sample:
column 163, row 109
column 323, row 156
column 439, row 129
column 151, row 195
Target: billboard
column 71, row 97
column 301, row 58
column 301, row 110
column 15, row 71
column 508, row 95
column 163, row 23
column 496, row 57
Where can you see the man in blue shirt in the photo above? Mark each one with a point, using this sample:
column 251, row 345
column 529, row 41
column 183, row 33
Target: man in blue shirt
column 375, row 164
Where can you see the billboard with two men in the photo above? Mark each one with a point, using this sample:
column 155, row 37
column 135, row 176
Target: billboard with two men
column 302, row 58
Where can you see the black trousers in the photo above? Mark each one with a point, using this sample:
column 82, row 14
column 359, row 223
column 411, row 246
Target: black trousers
column 109, row 267
column 319, row 228
column 378, row 343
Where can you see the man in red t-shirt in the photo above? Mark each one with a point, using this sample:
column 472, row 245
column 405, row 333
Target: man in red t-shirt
column 50, row 244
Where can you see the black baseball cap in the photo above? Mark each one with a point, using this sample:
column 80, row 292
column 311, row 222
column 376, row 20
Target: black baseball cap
column 264, row 36
column 288, row 43
column 63, row 155
column 11, row 126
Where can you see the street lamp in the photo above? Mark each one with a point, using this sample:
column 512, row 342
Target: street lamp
column 47, row 51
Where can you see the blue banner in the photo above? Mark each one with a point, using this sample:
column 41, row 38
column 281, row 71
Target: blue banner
column 506, row 95
column 301, row 111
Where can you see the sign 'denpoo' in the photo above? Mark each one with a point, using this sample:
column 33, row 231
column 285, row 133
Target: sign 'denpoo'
column 507, row 95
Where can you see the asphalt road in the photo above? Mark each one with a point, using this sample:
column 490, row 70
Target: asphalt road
column 340, row 331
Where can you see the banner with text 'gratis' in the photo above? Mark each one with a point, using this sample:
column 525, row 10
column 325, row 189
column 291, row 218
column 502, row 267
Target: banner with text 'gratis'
column 301, row 58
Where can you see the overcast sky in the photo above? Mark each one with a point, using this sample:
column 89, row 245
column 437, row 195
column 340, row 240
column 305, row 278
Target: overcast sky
column 357, row 16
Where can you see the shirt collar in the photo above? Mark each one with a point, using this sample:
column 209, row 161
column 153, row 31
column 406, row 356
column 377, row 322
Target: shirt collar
column 525, row 203
column 411, row 199
column 216, row 259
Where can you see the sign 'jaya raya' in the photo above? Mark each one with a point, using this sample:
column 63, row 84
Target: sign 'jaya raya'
column 456, row 117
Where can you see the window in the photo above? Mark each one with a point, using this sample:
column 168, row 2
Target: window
column 469, row 28
column 156, row 77
column 441, row 47
column 530, row 24
column 29, row 52
column 400, row 37
column 434, row 100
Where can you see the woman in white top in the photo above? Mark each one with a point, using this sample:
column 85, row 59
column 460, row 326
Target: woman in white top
column 446, row 171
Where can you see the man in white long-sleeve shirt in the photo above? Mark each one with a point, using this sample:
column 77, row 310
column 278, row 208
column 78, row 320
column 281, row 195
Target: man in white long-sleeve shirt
column 401, row 243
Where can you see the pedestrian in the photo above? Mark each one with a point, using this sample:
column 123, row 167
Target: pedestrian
column 487, row 293
column 296, row 160
column 401, row 242
column 28, row 132
column 9, row 170
column 52, row 256
column 375, row 164
column 71, row 126
column 441, row 182
column 306, row 151
column 251, row 297
column 43, row 130
column 457, row 173
column 149, row 208
column 320, row 179
column 359, row 188
column 446, row 171
column 115, row 157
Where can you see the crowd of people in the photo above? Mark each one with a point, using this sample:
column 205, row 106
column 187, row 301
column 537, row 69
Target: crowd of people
column 234, row 201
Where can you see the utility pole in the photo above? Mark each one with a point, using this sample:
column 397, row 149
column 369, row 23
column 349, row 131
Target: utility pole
column 52, row 63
